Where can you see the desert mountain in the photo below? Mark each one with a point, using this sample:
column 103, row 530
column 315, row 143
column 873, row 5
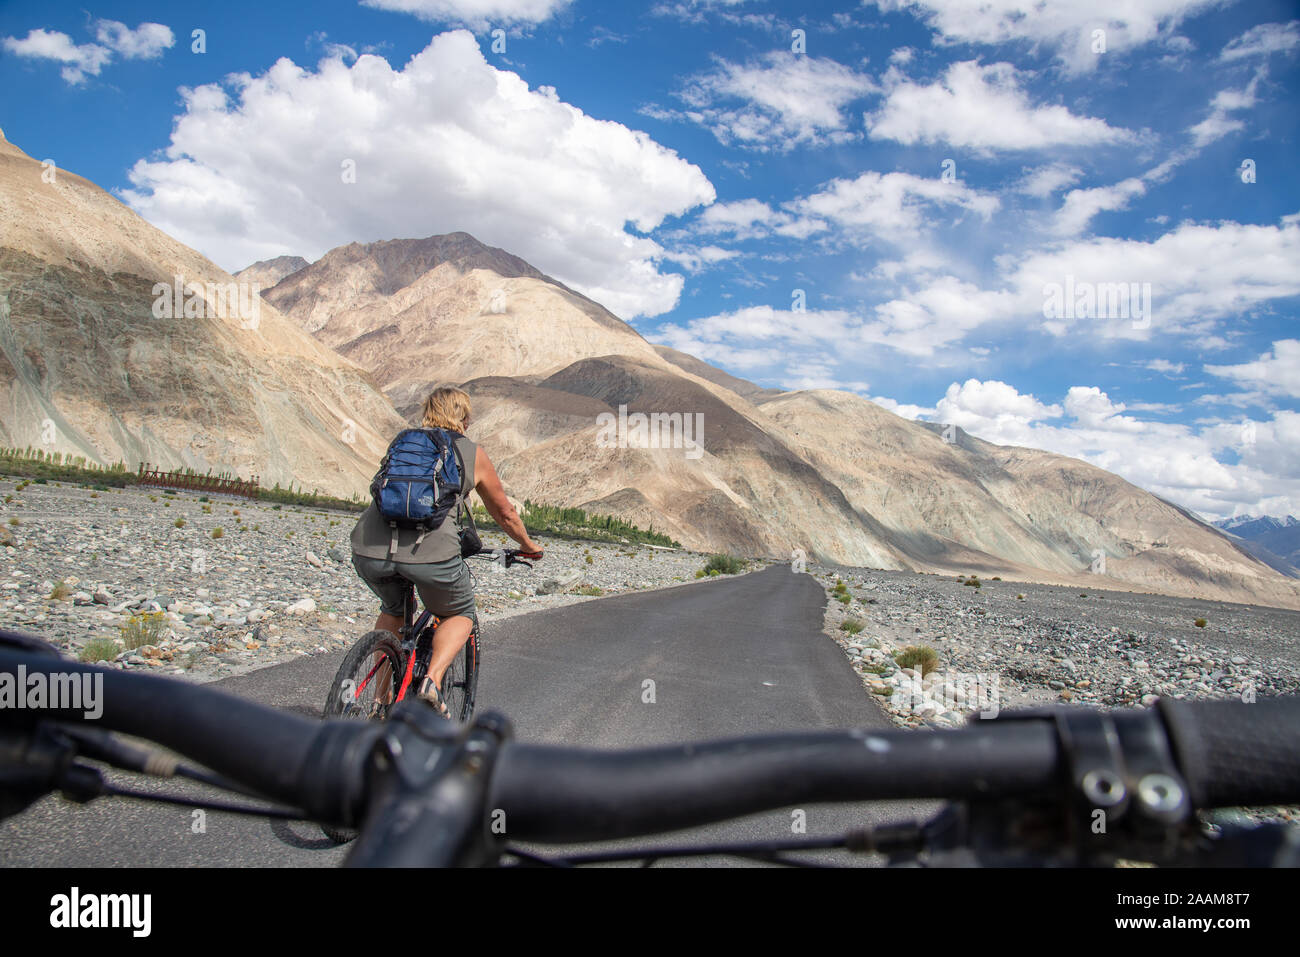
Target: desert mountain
column 447, row 309
column 558, row 381
column 742, row 387
column 1273, row 540
column 103, row 355
column 267, row 272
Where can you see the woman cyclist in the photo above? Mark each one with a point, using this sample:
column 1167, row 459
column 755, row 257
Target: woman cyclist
column 432, row 561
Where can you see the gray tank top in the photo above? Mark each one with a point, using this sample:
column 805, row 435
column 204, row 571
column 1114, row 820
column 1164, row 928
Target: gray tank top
column 372, row 536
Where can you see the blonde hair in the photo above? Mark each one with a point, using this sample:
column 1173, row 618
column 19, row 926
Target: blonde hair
column 446, row 408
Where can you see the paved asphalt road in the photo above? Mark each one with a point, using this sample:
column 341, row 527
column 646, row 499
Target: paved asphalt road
column 730, row 657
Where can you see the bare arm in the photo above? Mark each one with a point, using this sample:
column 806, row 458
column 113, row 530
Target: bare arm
column 488, row 486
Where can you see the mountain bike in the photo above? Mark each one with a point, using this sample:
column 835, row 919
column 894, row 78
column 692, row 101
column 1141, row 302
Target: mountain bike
column 381, row 668
column 1025, row 788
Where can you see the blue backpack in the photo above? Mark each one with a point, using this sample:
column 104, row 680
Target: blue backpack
column 419, row 479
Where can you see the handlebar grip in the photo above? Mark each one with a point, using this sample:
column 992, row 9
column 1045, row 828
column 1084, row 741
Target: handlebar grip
column 1232, row 753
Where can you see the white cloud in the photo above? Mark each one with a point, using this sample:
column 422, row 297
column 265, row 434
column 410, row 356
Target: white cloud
column 1199, row 276
column 786, row 100
column 478, row 14
column 1065, row 26
column 1081, row 205
column 696, row 258
column 1165, row 367
column 1176, row 461
column 993, row 409
column 981, row 108
column 1219, row 123
column 745, row 218
column 82, row 61
column 145, row 42
column 900, row 408
column 446, row 143
column 1263, row 40
column 883, row 205
column 1276, row 371
column 1046, row 180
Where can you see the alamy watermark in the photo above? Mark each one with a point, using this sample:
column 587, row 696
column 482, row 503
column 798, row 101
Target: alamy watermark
column 211, row 300
column 57, row 691
column 977, row 691
column 127, row 911
column 1098, row 300
column 656, row 430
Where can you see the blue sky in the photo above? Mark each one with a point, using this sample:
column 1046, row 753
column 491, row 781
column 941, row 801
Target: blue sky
column 888, row 197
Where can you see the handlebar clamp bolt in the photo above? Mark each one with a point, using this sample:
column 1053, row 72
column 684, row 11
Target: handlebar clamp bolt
column 1160, row 793
column 1103, row 788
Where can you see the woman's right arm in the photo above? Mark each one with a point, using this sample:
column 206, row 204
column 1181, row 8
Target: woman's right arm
column 488, row 486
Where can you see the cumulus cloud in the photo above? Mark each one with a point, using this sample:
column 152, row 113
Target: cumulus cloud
column 81, row 61
column 1064, row 26
column 1179, row 462
column 448, row 142
column 1081, row 205
column 984, row 109
column 1198, row 276
column 145, row 42
column 1165, row 367
column 477, row 14
column 1276, row 371
column 779, row 102
column 1220, row 122
column 872, row 204
column 1046, row 180
column 1263, row 40
column 991, row 408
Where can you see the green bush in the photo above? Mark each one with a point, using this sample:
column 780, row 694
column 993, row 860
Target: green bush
column 852, row 626
column 1199, row 623
column 98, row 649
column 143, row 629
column 218, row 532
column 179, row 523
column 724, row 565
column 921, row 657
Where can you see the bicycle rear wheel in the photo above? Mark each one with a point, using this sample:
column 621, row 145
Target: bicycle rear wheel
column 460, row 681
column 365, row 688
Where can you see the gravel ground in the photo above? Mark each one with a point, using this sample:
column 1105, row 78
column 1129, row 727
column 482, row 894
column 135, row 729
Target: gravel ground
column 276, row 584
column 79, row 566
column 1012, row 644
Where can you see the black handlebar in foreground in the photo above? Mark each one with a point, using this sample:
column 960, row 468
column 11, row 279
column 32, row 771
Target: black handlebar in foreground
column 447, row 780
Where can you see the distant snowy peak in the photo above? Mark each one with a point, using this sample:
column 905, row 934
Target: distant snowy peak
column 1251, row 526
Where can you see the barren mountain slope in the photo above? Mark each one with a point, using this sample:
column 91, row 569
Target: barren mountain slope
column 742, row 387
column 446, row 309
column 1015, row 512
column 267, row 272
column 746, row 492
column 86, row 367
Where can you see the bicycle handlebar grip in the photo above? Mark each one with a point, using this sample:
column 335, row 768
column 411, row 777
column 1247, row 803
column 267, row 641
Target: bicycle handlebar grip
column 1232, row 753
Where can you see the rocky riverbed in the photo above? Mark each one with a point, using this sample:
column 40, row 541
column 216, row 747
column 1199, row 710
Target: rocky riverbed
column 1001, row 645
column 175, row 584
column 180, row 585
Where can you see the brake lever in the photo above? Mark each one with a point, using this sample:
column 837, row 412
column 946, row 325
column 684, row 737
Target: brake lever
column 38, row 762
